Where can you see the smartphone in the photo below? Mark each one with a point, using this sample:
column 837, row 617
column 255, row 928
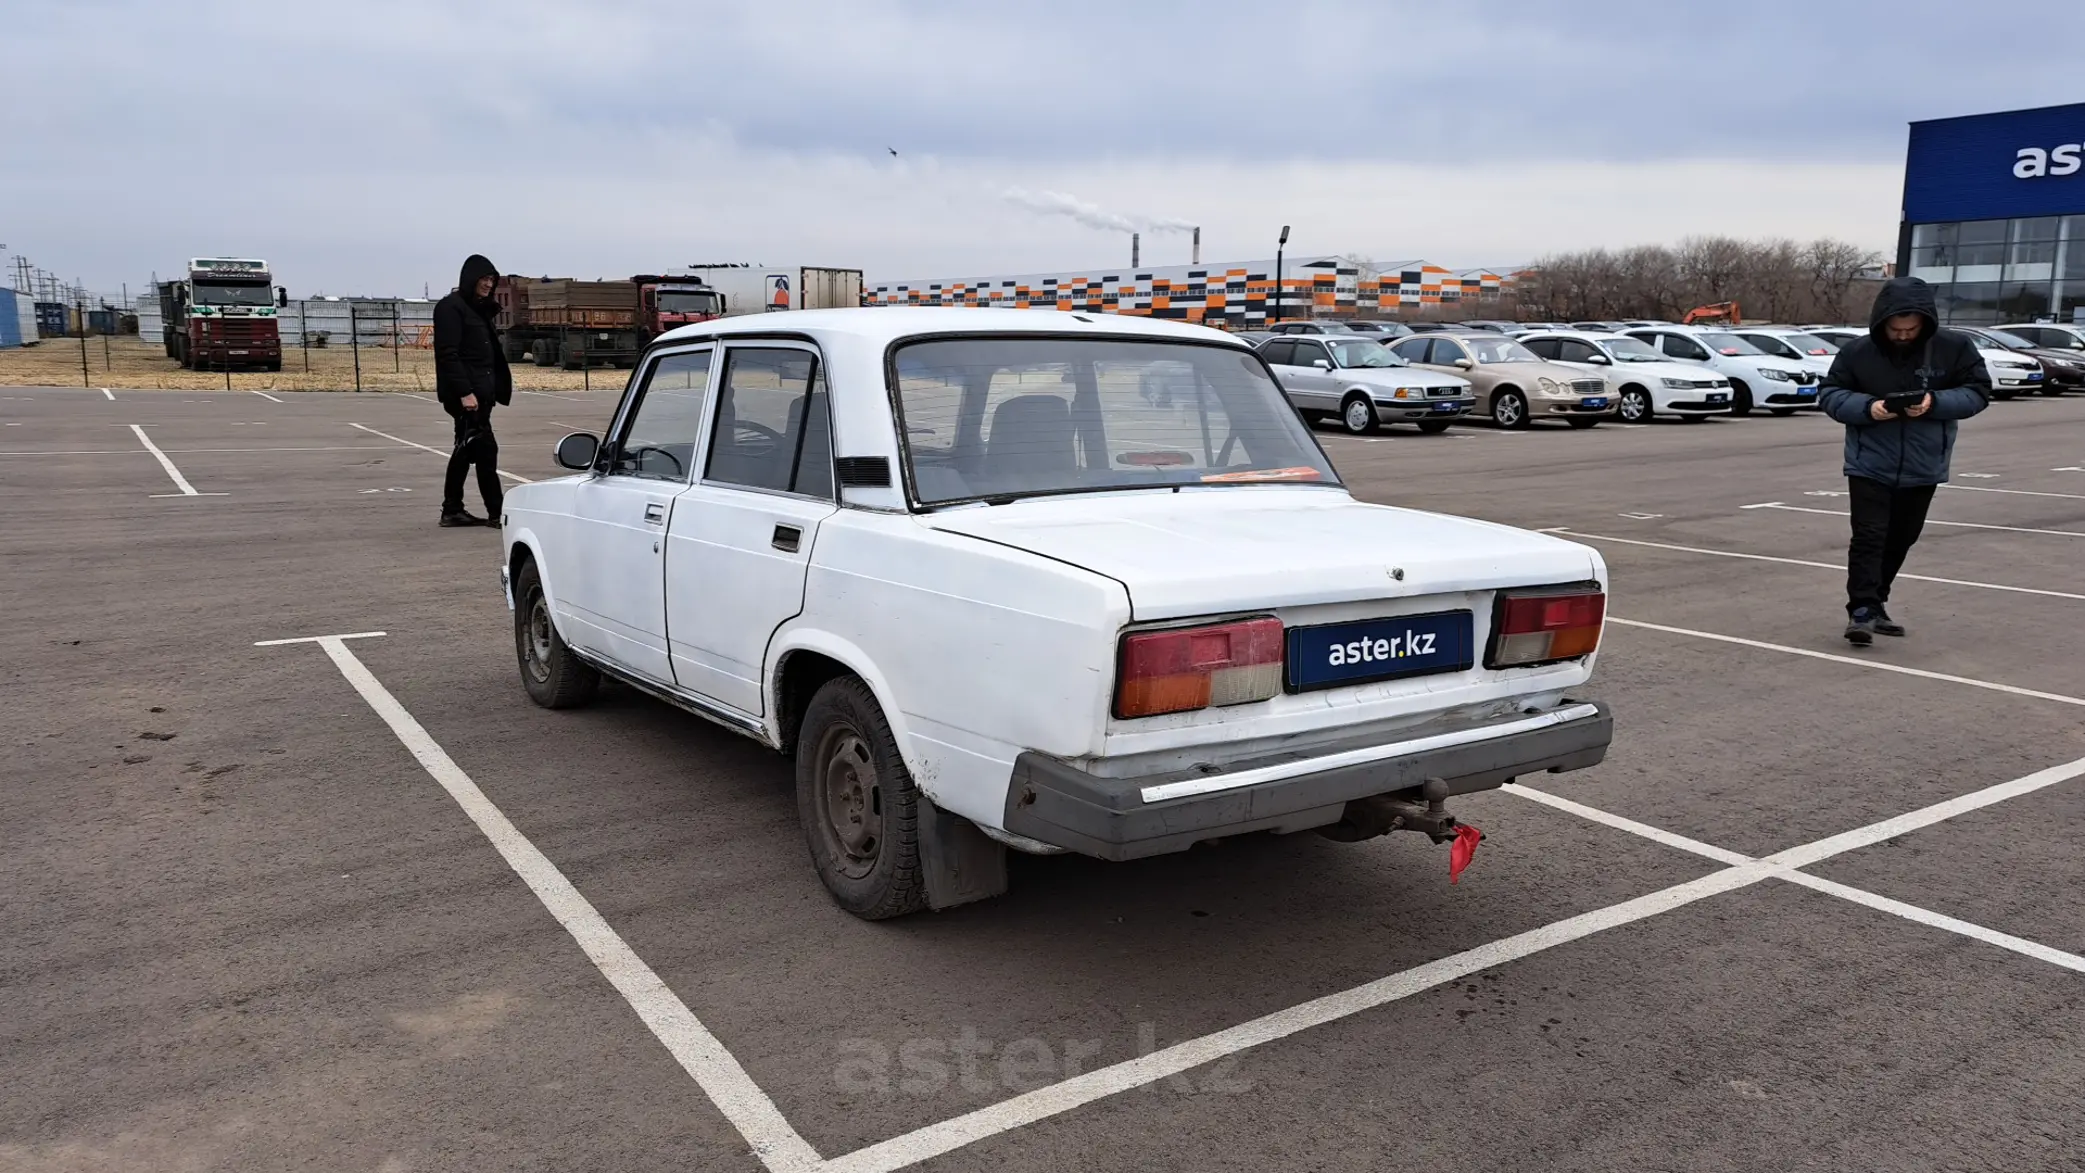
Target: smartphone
column 1902, row 404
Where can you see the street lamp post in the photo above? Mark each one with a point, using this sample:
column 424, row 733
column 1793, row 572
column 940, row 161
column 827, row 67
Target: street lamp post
column 1279, row 245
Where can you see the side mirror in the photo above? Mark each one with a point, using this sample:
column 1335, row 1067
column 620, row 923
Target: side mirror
column 1600, row 360
column 1464, row 364
column 578, row 450
column 1323, row 364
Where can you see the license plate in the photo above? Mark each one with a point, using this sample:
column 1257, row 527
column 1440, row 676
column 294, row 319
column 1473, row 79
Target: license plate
column 1335, row 654
column 2036, row 377
column 1447, row 407
column 1598, row 402
column 1805, row 392
column 1719, row 398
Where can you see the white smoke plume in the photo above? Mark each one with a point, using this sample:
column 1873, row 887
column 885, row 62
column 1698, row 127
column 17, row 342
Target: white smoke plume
column 1057, row 203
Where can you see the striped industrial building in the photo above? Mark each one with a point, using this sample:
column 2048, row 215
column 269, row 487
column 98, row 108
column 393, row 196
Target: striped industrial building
column 1235, row 295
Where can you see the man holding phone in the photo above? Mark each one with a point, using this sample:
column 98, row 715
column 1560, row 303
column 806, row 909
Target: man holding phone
column 1899, row 391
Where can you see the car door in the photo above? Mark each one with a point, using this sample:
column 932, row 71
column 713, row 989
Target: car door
column 740, row 541
column 1279, row 354
column 1317, row 387
column 613, row 588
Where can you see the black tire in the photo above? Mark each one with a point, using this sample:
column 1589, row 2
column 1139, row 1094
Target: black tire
column 1583, row 422
column 1780, row 411
column 859, row 808
column 274, row 364
column 2051, row 391
column 1434, row 427
column 1740, row 398
column 1635, row 406
column 1509, row 409
column 545, row 352
column 1357, row 415
column 553, row 676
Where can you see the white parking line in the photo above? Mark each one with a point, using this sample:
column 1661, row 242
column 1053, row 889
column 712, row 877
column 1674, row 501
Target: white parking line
column 2014, row 492
column 438, row 452
column 110, row 395
column 2012, row 529
column 180, row 482
column 1878, row 665
column 691, row 1044
column 1840, row 567
column 265, row 395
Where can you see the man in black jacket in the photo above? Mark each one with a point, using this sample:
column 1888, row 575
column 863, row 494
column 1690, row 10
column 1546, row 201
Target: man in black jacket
column 470, row 376
column 1899, row 392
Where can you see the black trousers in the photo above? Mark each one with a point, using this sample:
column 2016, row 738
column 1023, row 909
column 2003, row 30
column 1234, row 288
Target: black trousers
column 475, row 447
column 1886, row 523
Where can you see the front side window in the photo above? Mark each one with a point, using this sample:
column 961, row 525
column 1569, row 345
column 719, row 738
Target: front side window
column 1575, row 351
column 1772, row 345
column 1412, row 349
column 1308, row 352
column 660, row 433
column 1280, row 352
column 1002, row 418
column 1545, row 347
column 1446, row 352
column 773, row 428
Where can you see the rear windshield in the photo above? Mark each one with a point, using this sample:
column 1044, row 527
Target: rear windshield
column 1000, row 418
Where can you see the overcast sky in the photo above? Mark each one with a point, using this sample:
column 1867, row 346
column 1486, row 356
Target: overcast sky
column 366, row 148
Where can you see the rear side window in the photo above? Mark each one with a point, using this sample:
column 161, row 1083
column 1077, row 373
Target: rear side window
column 773, row 429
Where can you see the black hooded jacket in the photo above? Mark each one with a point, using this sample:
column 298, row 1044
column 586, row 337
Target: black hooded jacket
column 1899, row 451
column 468, row 357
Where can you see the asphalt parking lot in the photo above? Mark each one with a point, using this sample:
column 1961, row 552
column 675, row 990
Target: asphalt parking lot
column 361, row 905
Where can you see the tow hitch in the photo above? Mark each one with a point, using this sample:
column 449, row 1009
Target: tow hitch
column 1380, row 814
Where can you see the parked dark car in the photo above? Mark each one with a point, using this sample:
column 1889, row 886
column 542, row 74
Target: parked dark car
column 2062, row 370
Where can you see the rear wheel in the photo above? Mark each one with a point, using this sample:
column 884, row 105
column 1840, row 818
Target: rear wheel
column 553, row 676
column 1509, row 409
column 545, row 352
column 1740, row 398
column 859, row 808
column 1635, row 406
column 1434, row 427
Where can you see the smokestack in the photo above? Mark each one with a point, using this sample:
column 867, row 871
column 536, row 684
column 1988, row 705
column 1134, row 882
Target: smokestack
column 1136, row 249
column 1198, row 246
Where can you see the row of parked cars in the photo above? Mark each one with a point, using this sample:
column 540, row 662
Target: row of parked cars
column 1369, row 374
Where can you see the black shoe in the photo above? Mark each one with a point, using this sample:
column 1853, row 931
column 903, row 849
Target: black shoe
column 1884, row 625
column 1860, row 627
column 460, row 519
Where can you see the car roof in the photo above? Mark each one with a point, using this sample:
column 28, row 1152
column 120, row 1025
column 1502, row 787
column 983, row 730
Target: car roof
column 886, row 324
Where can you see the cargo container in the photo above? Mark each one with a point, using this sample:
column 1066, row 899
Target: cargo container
column 561, row 322
column 17, row 319
column 757, row 289
column 51, row 319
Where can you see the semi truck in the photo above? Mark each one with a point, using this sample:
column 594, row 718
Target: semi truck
column 222, row 315
column 557, row 321
column 561, row 322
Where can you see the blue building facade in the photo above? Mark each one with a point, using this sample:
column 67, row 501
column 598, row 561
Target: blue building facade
column 1994, row 214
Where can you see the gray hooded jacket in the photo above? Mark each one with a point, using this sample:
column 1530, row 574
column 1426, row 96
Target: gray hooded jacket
column 1898, row 451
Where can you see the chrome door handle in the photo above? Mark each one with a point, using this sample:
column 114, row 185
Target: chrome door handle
column 655, row 514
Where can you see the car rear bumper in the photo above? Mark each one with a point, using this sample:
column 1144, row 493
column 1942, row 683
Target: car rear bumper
column 1056, row 802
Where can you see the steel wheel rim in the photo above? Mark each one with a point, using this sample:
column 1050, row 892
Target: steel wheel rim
column 536, row 640
column 851, row 798
column 1632, row 407
column 1507, row 411
column 1358, row 416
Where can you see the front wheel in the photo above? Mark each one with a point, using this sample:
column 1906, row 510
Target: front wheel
column 1357, row 415
column 1635, row 406
column 859, row 808
column 1434, row 427
column 1509, row 410
column 553, row 676
column 1740, row 398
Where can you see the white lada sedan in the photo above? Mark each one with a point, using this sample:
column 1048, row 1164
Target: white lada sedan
column 991, row 593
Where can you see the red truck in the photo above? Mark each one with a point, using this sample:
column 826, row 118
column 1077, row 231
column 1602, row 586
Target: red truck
column 222, row 315
column 561, row 322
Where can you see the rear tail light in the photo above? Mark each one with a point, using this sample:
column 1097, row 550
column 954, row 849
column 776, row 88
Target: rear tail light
column 1544, row 626
column 1186, row 668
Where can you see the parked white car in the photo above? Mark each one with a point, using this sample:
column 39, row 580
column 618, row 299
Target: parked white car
column 1644, row 382
column 1811, row 350
column 989, row 595
column 1359, row 382
column 1779, row 385
column 2011, row 373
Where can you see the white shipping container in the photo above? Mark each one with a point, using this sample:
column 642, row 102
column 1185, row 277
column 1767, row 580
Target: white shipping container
column 754, row 289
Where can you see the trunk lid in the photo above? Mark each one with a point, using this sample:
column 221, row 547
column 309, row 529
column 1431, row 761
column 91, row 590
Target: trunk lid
column 1215, row 551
